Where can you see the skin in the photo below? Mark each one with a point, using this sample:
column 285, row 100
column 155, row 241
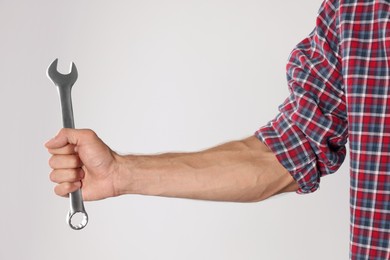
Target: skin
column 238, row 171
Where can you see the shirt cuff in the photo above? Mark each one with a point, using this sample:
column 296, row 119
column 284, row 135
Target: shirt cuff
column 293, row 151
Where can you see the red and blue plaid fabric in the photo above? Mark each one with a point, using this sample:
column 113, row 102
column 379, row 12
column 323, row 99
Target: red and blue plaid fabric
column 339, row 81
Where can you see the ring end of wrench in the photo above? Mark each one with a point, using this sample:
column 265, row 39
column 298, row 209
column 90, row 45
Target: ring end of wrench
column 77, row 220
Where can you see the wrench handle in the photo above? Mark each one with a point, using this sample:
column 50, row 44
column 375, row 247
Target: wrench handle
column 66, row 106
column 76, row 199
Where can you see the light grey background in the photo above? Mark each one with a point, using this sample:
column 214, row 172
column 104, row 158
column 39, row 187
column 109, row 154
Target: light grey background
column 155, row 76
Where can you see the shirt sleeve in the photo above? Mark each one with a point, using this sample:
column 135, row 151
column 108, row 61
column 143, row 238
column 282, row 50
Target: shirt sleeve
column 309, row 134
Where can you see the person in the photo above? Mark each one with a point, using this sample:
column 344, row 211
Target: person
column 339, row 79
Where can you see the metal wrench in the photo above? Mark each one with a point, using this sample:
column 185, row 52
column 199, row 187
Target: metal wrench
column 64, row 85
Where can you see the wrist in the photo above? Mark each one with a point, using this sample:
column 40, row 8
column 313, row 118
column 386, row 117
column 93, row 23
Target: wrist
column 122, row 176
column 131, row 175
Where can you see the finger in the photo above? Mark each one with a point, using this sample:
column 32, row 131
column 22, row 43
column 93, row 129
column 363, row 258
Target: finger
column 67, row 149
column 65, row 188
column 67, row 175
column 62, row 161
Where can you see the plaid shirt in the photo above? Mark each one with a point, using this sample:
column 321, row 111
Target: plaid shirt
column 339, row 81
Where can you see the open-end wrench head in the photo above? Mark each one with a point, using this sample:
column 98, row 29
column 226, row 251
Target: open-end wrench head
column 60, row 79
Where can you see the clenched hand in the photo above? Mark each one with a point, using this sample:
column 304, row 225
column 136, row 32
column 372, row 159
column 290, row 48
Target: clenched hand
column 79, row 158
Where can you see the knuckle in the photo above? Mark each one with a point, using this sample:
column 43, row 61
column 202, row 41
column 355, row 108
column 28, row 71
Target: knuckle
column 81, row 173
column 70, row 149
column 52, row 176
column 88, row 133
column 63, row 132
column 64, row 189
column 52, row 162
column 74, row 176
column 67, row 186
column 57, row 190
column 75, row 161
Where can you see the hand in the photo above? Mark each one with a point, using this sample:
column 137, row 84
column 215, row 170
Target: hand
column 81, row 159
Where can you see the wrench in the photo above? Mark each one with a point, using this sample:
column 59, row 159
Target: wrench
column 64, row 85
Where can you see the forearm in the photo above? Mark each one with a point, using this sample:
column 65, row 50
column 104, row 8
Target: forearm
column 241, row 171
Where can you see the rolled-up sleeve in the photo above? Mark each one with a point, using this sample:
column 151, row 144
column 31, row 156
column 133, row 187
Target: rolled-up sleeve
column 309, row 134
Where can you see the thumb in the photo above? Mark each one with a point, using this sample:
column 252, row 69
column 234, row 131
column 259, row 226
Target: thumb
column 64, row 137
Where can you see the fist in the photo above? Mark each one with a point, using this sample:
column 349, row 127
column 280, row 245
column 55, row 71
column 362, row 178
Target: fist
column 80, row 159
